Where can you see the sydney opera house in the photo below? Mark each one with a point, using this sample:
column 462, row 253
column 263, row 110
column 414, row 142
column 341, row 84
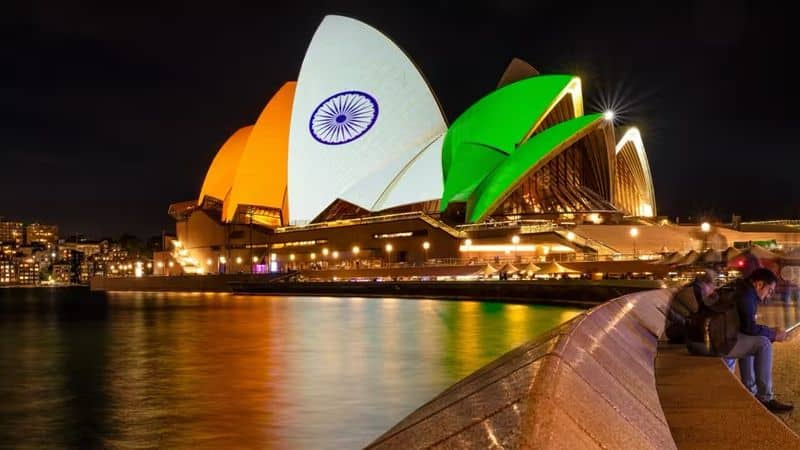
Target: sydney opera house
column 354, row 163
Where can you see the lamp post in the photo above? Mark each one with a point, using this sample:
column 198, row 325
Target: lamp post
column 705, row 227
column 425, row 246
column 634, row 232
column 515, row 241
column 389, row 249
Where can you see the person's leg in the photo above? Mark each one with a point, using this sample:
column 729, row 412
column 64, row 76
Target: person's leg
column 747, row 374
column 757, row 369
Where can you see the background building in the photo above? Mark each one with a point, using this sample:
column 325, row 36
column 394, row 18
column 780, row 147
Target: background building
column 43, row 234
column 8, row 272
column 11, row 232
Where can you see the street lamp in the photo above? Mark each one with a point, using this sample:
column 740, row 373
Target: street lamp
column 634, row 232
column 425, row 246
column 335, row 254
column 515, row 241
column 570, row 236
column 389, row 252
column 705, row 227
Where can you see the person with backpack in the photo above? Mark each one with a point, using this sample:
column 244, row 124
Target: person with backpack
column 686, row 302
column 728, row 328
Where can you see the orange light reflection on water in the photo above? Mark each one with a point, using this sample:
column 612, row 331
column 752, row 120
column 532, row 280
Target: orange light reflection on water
column 210, row 371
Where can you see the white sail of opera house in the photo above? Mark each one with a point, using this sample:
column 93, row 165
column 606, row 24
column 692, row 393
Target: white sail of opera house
column 362, row 116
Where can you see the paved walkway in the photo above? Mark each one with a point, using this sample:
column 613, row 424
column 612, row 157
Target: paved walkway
column 708, row 408
column 786, row 367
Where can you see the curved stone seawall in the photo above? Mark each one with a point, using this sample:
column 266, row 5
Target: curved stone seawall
column 589, row 383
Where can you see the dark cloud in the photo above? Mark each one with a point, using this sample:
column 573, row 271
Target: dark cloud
column 109, row 112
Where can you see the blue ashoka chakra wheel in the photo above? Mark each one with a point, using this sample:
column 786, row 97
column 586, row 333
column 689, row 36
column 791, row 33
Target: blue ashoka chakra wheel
column 343, row 117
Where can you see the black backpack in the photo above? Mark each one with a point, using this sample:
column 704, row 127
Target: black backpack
column 716, row 326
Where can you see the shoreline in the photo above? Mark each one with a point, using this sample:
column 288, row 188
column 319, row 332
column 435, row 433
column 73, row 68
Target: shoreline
column 582, row 293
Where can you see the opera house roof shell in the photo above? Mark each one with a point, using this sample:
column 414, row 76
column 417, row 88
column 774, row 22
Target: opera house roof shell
column 362, row 128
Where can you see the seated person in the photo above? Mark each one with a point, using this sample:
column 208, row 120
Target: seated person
column 686, row 302
column 753, row 347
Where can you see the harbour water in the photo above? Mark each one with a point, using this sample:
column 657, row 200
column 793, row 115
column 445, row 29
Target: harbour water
column 141, row 370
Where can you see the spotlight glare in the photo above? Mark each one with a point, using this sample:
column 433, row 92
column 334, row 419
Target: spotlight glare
column 608, row 115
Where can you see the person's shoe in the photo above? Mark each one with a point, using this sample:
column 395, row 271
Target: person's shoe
column 777, row 407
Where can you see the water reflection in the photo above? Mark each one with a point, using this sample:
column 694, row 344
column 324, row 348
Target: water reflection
column 213, row 370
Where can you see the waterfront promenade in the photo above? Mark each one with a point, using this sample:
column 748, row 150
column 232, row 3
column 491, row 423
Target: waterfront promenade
column 580, row 293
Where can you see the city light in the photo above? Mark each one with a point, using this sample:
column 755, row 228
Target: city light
column 325, row 251
column 159, row 264
column 255, row 259
column 515, row 239
column 171, row 264
column 356, row 250
column 426, row 245
column 209, row 261
column 705, row 227
column 389, row 248
column 570, row 236
column 291, row 257
column 273, row 257
column 468, row 242
column 238, row 260
column 223, row 260
column 313, row 256
column 634, row 232
column 335, row 254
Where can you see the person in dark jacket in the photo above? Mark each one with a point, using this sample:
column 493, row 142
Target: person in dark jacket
column 687, row 301
column 753, row 346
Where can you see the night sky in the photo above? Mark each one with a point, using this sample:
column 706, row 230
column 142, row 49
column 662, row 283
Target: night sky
column 110, row 111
